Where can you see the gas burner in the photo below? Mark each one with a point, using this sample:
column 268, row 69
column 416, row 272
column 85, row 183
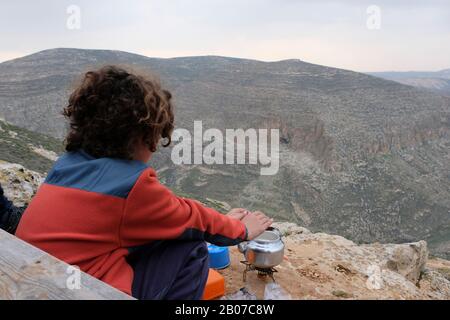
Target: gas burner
column 262, row 272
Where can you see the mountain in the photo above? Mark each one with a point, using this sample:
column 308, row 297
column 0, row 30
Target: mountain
column 360, row 156
column 398, row 75
column 438, row 82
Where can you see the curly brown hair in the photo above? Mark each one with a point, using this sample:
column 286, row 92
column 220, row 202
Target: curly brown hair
column 112, row 109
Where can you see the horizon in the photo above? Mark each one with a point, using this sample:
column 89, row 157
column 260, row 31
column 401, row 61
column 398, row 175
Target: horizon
column 363, row 36
column 220, row 56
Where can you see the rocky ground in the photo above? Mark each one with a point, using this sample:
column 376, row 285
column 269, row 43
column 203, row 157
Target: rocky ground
column 323, row 266
column 316, row 265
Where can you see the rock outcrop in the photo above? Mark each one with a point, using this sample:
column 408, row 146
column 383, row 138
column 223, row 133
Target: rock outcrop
column 323, row 266
column 19, row 183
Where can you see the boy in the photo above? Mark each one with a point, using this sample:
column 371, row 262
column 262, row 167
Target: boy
column 102, row 208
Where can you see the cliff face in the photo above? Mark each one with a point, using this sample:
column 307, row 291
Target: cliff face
column 316, row 265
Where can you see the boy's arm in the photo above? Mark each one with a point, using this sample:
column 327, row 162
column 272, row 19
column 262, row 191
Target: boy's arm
column 153, row 212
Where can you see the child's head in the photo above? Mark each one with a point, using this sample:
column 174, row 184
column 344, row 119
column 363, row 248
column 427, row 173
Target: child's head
column 113, row 113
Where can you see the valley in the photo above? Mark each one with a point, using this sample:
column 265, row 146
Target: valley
column 360, row 156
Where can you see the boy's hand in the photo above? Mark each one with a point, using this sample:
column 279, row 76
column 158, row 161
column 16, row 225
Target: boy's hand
column 238, row 213
column 256, row 223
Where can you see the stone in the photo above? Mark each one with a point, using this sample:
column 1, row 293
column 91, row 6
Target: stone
column 19, row 183
column 409, row 260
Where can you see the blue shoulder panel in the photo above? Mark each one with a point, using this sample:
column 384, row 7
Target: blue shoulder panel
column 109, row 176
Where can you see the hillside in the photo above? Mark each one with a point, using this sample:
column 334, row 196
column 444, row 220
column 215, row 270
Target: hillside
column 361, row 157
column 31, row 149
column 316, row 265
column 438, row 82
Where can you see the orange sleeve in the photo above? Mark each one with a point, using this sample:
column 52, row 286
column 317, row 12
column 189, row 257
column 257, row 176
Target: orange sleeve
column 153, row 212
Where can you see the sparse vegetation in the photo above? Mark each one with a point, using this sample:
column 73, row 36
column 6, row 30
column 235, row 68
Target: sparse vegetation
column 15, row 147
column 341, row 294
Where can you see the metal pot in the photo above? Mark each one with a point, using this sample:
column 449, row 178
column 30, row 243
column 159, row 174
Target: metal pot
column 265, row 251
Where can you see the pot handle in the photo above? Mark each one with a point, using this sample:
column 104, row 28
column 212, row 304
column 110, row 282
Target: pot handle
column 275, row 230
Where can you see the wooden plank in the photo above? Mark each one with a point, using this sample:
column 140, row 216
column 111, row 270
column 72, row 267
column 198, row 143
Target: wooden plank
column 27, row 272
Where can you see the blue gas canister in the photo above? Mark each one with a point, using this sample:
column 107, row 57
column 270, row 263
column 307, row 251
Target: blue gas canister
column 219, row 257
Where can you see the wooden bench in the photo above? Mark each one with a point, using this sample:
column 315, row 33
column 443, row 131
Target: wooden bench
column 27, row 272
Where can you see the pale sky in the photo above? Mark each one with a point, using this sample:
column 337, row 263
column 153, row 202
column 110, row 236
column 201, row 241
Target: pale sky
column 413, row 34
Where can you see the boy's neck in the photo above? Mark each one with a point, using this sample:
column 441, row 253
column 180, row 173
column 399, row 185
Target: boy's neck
column 142, row 153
